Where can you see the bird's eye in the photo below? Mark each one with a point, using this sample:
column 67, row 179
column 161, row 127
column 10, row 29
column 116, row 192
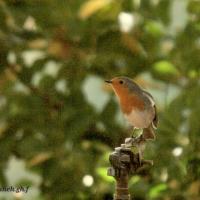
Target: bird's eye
column 121, row 82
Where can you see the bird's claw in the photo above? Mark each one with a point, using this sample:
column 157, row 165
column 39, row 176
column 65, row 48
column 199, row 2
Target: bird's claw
column 131, row 142
column 128, row 142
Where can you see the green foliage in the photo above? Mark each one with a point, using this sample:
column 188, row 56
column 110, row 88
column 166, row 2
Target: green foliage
column 59, row 118
column 156, row 190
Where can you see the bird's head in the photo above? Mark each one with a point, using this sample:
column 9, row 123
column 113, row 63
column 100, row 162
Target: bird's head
column 123, row 86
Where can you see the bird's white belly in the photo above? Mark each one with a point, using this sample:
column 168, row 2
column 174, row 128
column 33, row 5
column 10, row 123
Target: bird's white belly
column 139, row 119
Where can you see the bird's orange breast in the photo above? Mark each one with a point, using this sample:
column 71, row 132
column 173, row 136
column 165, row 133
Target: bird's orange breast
column 128, row 100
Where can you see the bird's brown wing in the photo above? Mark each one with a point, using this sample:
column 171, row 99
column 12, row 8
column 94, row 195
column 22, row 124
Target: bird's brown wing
column 155, row 120
column 151, row 99
column 149, row 133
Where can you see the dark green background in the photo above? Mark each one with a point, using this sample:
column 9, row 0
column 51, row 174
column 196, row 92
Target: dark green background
column 58, row 118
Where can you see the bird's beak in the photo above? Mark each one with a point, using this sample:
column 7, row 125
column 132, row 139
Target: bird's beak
column 108, row 81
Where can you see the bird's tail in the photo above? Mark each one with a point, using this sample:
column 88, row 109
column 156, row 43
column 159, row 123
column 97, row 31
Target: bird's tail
column 148, row 133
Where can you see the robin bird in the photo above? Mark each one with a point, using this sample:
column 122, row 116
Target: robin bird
column 137, row 105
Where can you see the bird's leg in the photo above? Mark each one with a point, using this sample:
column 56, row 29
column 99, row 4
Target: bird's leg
column 141, row 146
column 133, row 140
column 137, row 142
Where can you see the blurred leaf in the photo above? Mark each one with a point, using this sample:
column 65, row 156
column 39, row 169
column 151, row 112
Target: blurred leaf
column 154, row 28
column 102, row 172
column 134, row 180
column 165, row 68
column 92, row 6
column 156, row 191
column 38, row 159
